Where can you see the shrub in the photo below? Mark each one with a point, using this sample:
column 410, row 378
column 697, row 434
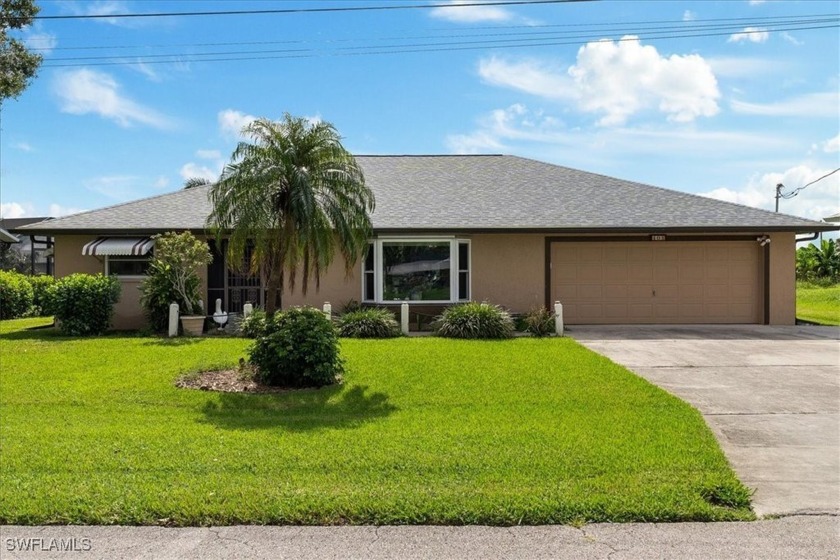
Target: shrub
column 539, row 322
column 16, row 294
column 173, row 278
column 368, row 323
column 299, row 349
column 253, row 326
column 474, row 320
column 40, row 287
column 84, row 303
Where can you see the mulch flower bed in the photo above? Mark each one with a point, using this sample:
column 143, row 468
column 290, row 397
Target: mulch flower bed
column 226, row 381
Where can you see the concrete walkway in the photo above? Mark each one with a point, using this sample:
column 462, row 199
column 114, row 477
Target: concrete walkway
column 770, row 394
column 789, row 538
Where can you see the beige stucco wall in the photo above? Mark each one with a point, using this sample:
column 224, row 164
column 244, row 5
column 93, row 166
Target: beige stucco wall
column 336, row 288
column 69, row 258
column 509, row 270
column 782, row 279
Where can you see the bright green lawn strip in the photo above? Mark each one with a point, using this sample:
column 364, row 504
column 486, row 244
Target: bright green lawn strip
column 819, row 305
column 423, row 430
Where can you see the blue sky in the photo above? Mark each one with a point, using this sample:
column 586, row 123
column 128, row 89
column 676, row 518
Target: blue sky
column 604, row 86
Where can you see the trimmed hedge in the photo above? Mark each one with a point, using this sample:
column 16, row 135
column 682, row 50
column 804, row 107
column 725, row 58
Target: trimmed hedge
column 84, row 303
column 299, row 349
column 40, row 287
column 16, row 294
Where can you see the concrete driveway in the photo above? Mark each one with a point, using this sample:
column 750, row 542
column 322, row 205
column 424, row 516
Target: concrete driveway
column 771, row 395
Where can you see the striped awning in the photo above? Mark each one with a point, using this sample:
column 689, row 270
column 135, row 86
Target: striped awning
column 113, row 246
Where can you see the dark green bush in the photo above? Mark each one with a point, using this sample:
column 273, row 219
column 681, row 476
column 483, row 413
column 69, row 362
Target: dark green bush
column 299, row 349
column 539, row 322
column 368, row 323
column 16, row 294
column 40, row 287
column 474, row 320
column 253, row 326
column 84, row 303
column 157, row 293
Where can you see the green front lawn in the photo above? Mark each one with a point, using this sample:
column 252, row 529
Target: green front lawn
column 422, row 430
column 818, row 304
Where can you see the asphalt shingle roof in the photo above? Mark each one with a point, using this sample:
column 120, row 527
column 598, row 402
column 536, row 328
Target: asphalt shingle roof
column 490, row 192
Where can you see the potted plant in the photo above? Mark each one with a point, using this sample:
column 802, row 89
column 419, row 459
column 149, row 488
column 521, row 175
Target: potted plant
column 173, row 277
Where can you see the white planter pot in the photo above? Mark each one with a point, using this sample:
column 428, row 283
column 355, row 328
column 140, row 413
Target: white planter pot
column 193, row 325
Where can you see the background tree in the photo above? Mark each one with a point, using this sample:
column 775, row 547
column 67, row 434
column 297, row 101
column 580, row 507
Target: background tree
column 193, row 182
column 294, row 195
column 17, row 64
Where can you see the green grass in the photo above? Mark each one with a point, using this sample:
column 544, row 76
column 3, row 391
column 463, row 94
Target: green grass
column 423, row 430
column 818, row 304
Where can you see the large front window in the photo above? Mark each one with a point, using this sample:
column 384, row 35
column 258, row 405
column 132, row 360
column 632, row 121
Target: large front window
column 429, row 270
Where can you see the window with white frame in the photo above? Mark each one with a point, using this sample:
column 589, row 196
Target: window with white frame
column 434, row 270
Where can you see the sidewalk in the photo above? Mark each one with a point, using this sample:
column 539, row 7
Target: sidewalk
column 813, row 537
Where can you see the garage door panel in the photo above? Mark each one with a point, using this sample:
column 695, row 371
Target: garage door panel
column 616, row 291
column 658, row 282
column 639, row 272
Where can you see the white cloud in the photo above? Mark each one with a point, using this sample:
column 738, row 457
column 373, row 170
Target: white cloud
column 621, row 78
column 116, row 187
column 231, row 122
column 832, row 145
column 208, row 154
column 470, row 14
column 146, row 69
column 750, row 34
column 516, row 123
column 617, row 80
column 161, row 182
column 824, row 104
column 743, row 67
column 688, row 15
column 191, row 170
column 15, row 210
column 42, row 42
column 757, row 2
column 23, row 146
column 534, row 133
column 791, row 39
column 814, row 202
column 57, row 210
column 87, row 91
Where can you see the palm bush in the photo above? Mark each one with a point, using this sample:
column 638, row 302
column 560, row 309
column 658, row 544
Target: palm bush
column 299, row 349
column 474, row 320
column 815, row 262
column 539, row 322
column 368, row 323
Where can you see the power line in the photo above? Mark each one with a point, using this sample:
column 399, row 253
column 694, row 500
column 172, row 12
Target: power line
column 389, row 49
column 791, row 194
column 709, row 24
column 332, row 9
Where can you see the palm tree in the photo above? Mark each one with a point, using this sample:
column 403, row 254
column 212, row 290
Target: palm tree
column 291, row 197
column 193, row 182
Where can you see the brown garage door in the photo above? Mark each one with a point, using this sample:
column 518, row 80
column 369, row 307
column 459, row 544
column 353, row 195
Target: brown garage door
column 657, row 282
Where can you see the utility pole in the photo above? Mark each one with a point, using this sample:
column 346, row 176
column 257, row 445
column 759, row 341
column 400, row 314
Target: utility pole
column 779, row 188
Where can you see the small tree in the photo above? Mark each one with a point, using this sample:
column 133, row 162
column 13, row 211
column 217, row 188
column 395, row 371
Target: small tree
column 173, row 276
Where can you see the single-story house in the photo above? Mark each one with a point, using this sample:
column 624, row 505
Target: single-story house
column 504, row 229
